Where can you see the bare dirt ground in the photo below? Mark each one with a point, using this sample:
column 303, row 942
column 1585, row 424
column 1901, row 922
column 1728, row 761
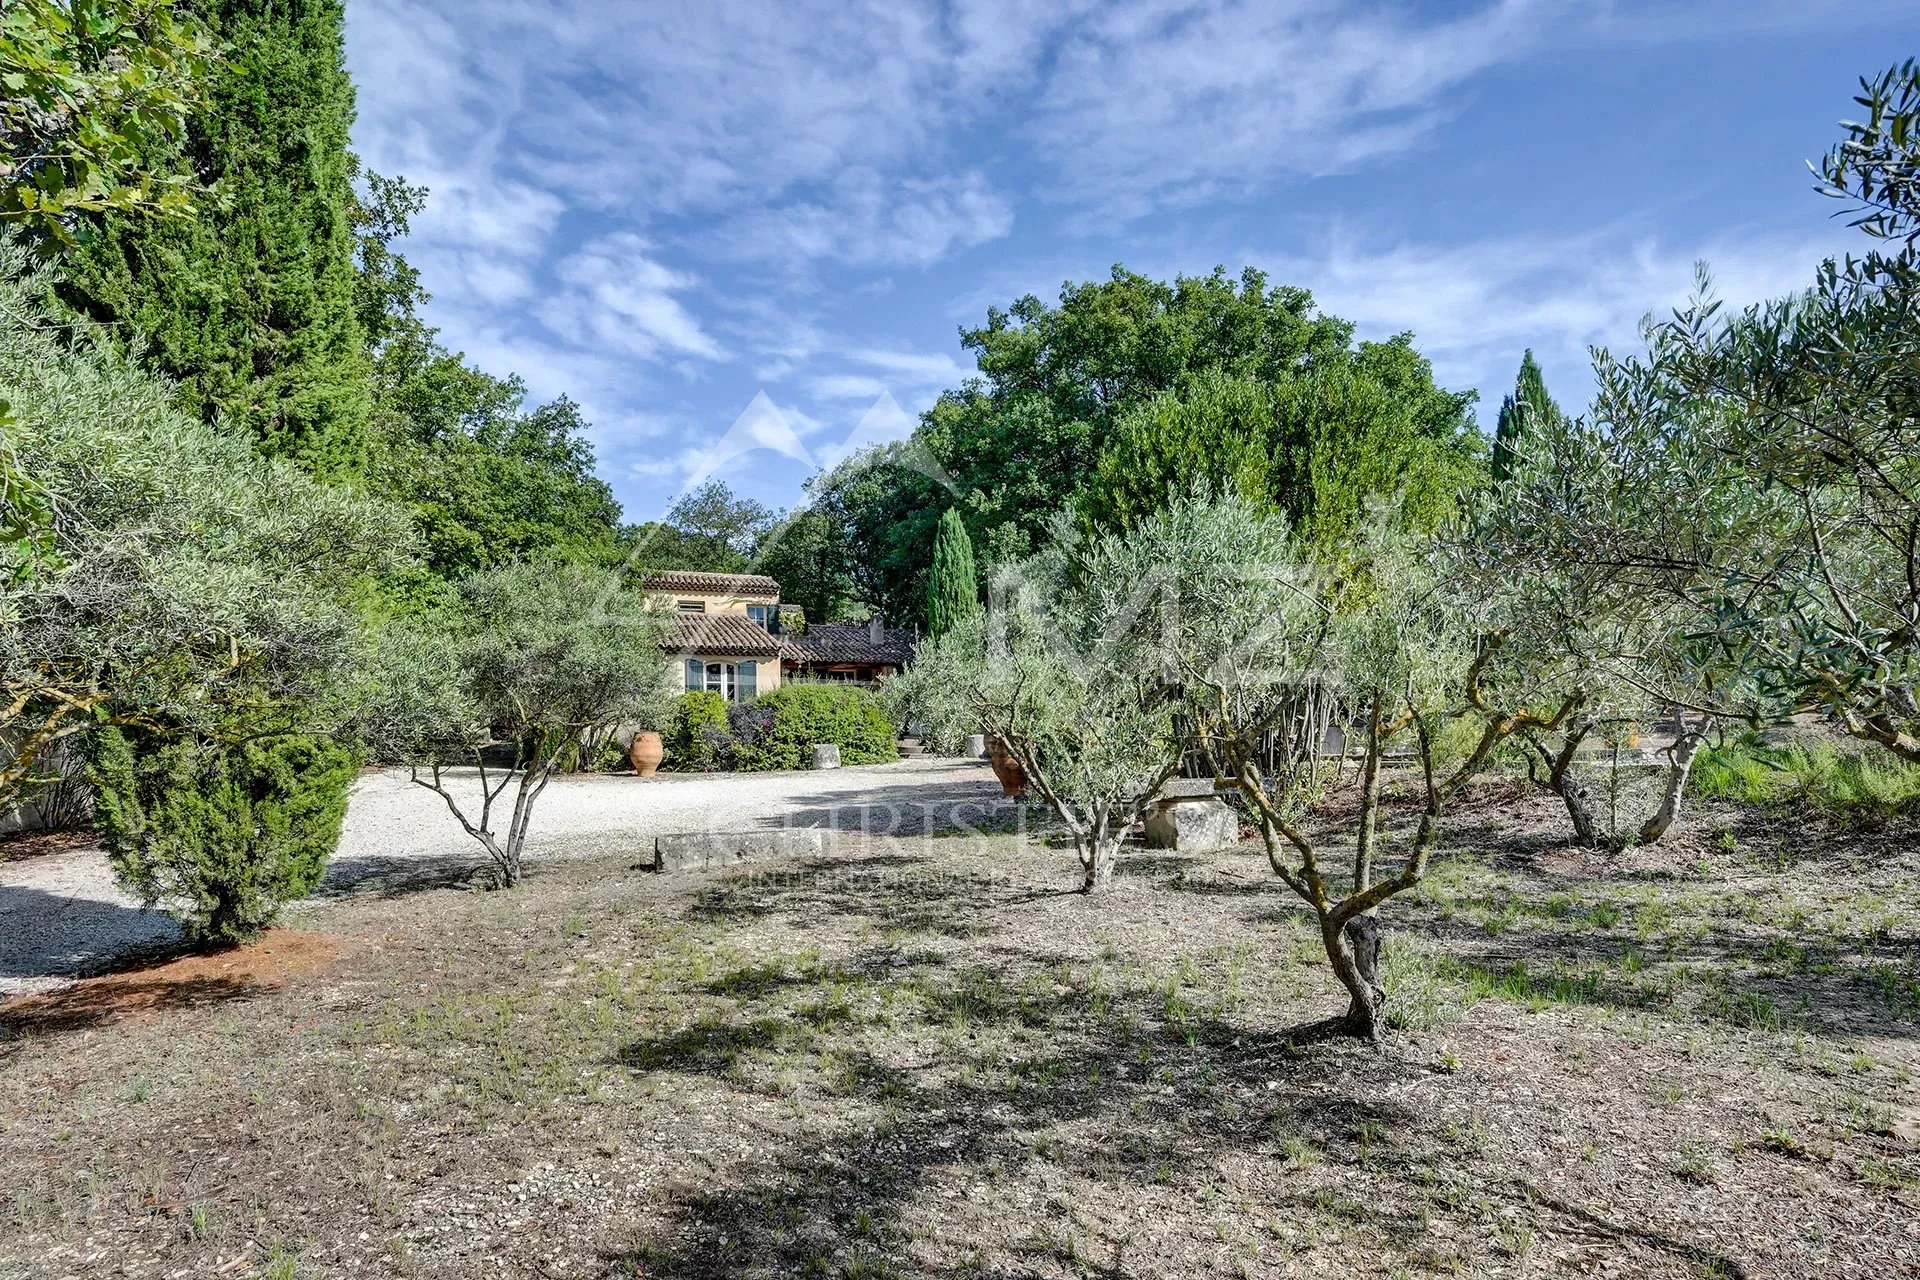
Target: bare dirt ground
column 921, row 1056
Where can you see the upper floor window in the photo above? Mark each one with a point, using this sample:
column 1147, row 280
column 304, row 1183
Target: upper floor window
column 693, row 606
column 759, row 614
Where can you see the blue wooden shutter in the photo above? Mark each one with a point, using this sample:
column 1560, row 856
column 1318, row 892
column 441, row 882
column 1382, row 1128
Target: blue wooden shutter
column 748, row 672
column 696, row 674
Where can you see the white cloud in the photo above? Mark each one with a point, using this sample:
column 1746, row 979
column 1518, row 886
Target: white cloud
column 1154, row 104
column 1473, row 308
column 865, row 218
column 619, row 298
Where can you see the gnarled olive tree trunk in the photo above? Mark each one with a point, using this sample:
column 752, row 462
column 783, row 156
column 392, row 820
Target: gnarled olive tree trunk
column 1680, row 757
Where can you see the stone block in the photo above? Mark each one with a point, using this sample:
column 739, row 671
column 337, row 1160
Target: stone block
column 1198, row 824
column 977, row 747
column 826, row 755
column 700, row 850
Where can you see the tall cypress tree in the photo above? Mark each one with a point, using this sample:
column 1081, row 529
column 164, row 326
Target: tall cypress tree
column 1528, row 407
column 252, row 304
column 953, row 589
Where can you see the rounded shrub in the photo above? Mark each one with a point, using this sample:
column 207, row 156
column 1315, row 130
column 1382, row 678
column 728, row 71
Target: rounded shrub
column 221, row 835
column 696, row 736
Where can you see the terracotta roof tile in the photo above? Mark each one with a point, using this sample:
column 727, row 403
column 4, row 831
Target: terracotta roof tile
column 731, row 584
column 848, row 642
column 719, row 633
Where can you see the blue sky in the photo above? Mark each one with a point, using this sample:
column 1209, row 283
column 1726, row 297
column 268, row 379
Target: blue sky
column 745, row 235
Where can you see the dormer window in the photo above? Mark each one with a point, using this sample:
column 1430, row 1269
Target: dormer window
column 693, row 606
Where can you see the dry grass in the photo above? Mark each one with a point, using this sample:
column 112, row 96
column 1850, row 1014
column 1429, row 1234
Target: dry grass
column 923, row 1058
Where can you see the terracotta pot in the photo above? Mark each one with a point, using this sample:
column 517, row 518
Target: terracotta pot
column 1013, row 778
column 646, row 753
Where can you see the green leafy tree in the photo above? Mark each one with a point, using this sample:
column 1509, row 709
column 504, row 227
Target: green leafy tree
column 707, row 528
column 953, row 588
column 488, row 479
column 1529, row 408
column 222, row 836
column 94, row 96
column 1322, row 445
column 1015, row 444
column 252, row 305
column 806, row 556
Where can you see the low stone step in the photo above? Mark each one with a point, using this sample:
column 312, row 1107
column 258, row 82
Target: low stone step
column 699, row 850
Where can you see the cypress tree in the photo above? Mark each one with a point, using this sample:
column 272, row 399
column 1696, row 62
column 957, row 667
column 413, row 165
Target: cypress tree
column 953, row 589
column 1527, row 407
column 251, row 305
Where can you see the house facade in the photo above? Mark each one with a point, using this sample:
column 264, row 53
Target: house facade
column 727, row 635
column 722, row 635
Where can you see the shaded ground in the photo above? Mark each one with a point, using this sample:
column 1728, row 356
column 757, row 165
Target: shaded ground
column 62, row 915
column 923, row 1057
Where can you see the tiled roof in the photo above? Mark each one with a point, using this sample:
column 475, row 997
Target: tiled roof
column 848, row 642
column 728, row 584
column 718, row 633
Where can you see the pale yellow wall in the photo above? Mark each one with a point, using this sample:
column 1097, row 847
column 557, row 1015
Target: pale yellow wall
column 670, row 601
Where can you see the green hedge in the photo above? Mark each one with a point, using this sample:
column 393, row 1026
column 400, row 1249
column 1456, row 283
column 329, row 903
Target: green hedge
column 778, row 730
column 220, row 836
column 697, row 732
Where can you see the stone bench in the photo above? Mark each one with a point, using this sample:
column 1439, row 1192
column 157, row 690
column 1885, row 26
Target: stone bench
column 699, row 850
column 1190, row 817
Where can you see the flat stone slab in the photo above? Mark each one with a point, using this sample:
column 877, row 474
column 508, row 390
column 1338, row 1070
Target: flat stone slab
column 699, row 850
column 1192, row 789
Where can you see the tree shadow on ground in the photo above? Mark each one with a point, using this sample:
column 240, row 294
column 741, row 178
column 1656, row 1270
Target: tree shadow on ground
column 907, row 891
column 44, row 934
column 910, row 810
column 395, row 876
column 1166, row 1099
column 90, row 1005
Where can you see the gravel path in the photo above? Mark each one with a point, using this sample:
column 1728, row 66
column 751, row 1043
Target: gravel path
column 62, row 915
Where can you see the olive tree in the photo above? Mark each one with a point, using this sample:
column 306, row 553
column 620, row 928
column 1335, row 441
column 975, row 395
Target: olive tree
column 530, row 660
column 1572, row 635
column 182, row 586
column 1759, row 471
column 1079, row 665
column 1387, row 642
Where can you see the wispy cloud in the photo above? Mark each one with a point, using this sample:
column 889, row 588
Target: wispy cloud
column 618, row 297
column 1156, row 104
column 1473, row 307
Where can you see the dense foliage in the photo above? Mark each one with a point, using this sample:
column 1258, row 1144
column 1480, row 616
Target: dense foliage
column 779, row 729
column 223, row 836
column 707, row 528
column 92, row 93
column 193, row 587
column 953, row 588
column 697, row 731
column 251, row 305
column 1528, row 404
column 1014, row 445
column 1322, row 445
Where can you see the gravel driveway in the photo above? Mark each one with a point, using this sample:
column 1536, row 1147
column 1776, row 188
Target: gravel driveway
column 62, row 915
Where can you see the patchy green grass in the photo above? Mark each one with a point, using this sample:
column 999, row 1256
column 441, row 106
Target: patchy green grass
column 1866, row 786
column 931, row 1059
